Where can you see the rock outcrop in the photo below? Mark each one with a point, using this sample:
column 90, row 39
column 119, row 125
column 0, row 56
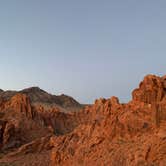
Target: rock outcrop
column 105, row 133
column 132, row 134
column 150, row 90
column 20, row 115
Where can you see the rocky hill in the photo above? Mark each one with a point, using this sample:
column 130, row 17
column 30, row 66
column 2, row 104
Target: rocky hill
column 105, row 133
column 39, row 96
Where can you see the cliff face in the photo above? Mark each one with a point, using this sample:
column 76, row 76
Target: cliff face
column 105, row 133
column 152, row 90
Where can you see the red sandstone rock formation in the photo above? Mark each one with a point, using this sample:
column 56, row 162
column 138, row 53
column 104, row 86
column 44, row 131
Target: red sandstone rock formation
column 132, row 134
column 105, row 133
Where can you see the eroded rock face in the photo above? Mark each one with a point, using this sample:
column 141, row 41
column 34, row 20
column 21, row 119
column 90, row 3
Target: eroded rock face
column 28, row 120
column 60, row 122
column 7, row 135
column 20, row 103
column 23, row 122
column 105, row 133
column 116, row 134
column 101, row 140
column 150, row 90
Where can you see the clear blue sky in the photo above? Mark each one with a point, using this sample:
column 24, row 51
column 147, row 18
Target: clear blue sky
column 84, row 48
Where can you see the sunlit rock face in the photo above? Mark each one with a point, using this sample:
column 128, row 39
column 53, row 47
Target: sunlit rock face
column 34, row 130
column 132, row 134
column 150, row 90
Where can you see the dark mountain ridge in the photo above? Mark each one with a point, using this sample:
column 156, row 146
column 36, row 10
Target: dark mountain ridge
column 37, row 95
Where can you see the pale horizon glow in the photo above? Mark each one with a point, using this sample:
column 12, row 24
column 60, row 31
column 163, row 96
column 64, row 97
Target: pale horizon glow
column 85, row 49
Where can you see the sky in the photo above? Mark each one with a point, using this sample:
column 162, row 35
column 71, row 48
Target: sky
column 83, row 48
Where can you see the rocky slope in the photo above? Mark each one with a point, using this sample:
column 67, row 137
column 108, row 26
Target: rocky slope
column 132, row 134
column 106, row 133
column 29, row 118
column 40, row 97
